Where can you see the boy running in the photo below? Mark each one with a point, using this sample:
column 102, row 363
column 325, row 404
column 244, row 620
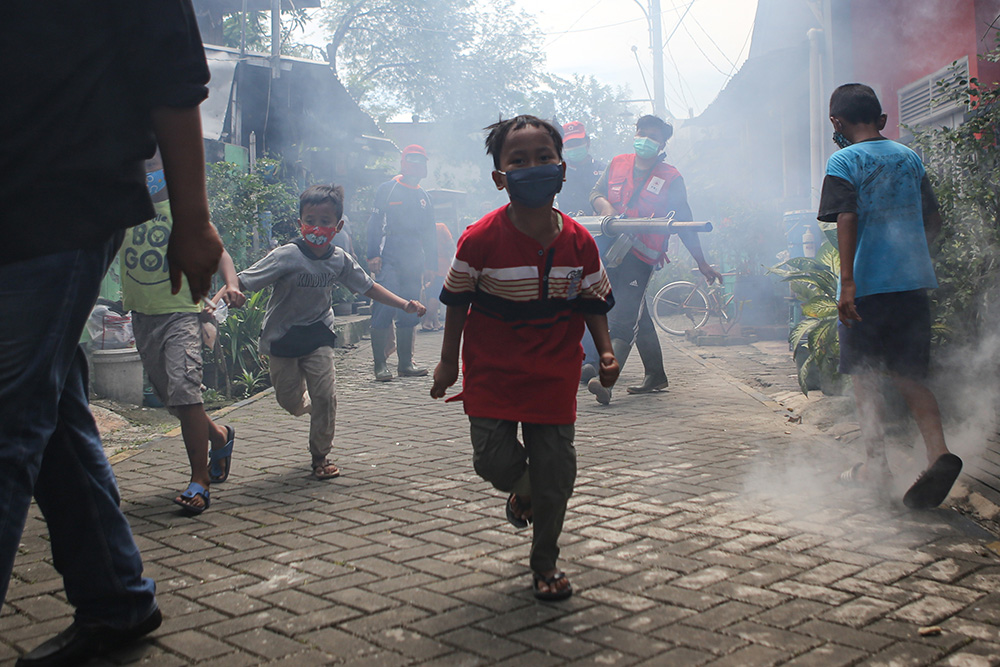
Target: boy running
column 524, row 281
column 298, row 325
column 879, row 196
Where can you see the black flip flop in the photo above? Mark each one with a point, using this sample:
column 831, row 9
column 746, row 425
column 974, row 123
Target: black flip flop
column 933, row 485
column 515, row 520
column 551, row 595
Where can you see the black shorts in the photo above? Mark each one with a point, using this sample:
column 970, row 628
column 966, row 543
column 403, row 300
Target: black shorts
column 894, row 335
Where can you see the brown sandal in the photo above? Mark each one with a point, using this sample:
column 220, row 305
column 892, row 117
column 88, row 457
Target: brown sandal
column 325, row 469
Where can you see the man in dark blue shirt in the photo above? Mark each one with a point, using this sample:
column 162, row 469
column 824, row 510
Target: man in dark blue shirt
column 402, row 255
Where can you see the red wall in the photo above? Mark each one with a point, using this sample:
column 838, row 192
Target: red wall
column 895, row 42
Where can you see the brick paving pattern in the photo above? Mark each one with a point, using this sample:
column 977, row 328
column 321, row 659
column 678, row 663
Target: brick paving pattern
column 704, row 530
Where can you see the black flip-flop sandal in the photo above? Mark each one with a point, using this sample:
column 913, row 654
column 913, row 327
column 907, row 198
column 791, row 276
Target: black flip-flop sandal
column 514, row 519
column 554, row 594
column 934, row 484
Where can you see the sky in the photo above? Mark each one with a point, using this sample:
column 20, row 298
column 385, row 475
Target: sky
column 595, row 37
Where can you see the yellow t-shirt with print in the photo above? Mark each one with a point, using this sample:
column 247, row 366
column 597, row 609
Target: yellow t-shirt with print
column 144, row 272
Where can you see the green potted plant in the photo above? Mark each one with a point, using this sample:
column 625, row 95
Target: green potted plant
column 813, row 281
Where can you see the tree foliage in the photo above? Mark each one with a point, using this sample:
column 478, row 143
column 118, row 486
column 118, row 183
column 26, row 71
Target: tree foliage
column 963, row 164
column 247, row 208
column 603, row 109
column 438, row 59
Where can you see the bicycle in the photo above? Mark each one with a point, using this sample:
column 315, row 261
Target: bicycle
column 682, row 305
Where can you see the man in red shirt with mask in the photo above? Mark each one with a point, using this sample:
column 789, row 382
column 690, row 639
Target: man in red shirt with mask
column 402, row 255
column 642, row 185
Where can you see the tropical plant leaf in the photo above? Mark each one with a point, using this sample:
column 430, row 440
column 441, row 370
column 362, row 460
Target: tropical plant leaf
column 820, row 307
column 823, row 338
column 829, row 230
column 804, row 371
column 799, row 331
column 829, row 256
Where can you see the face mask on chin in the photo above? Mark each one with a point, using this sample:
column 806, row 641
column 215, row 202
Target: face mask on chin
column 318, row 237
column 533, row 187
column 645, row 147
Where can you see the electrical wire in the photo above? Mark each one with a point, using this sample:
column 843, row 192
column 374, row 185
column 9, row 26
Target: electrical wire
column 717, row 47
column 596, row 27
column 565, row 32
column 702, row 51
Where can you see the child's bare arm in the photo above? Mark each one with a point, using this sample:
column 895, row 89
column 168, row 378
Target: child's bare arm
column 194, row 248
column 230, row 292
column 387, row 298
column 847, row 238
column 598, row 327
column 446, row 373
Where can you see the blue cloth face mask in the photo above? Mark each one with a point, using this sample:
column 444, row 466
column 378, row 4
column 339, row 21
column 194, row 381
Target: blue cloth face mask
column 155, row 181
column 533, row 187
column 645, row 147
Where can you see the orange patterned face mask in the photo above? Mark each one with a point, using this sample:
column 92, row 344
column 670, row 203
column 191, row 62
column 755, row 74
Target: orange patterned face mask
column 318, row 237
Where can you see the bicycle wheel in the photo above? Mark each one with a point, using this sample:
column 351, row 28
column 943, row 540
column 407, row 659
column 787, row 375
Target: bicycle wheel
column 680, row 306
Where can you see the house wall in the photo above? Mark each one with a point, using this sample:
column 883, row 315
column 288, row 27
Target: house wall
column 895, row 42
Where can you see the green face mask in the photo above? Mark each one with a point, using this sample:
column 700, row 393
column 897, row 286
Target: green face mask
column 645, row 147
column 576, row 154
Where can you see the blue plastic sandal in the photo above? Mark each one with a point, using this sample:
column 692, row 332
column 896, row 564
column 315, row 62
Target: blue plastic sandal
column 194, row 489
column 221, row 460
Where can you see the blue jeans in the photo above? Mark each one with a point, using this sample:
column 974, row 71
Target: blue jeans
column 49, row 443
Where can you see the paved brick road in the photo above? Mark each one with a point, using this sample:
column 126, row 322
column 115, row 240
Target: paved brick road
column 704, row 530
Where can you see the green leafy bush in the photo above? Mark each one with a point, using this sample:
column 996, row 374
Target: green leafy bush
column 963, row 164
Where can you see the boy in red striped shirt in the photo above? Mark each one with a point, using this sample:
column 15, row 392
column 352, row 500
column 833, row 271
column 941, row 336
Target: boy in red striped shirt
column 525, row 280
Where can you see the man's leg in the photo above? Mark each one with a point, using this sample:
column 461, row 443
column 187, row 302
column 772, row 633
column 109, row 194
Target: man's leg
column 552, row 469
column 43, row 404
column 924, row 407
column 628, row 283
column 870, row 406
column 381, row 324
column 647, row 342
column 408, row 288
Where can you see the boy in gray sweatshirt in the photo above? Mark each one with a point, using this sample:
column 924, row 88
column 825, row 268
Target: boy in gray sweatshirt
column 297, row 333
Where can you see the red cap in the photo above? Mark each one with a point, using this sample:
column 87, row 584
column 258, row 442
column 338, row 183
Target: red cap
column 574, row 130
column 414, row 149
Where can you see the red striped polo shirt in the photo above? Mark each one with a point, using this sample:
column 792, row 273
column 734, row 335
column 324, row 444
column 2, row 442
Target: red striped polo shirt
column 521, row 350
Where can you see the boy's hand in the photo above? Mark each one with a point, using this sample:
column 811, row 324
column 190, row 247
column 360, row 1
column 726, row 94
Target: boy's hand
column 845, row 307
column 413, row 306
column 194, row 250
column 375, row 265
column 609, row 370
column 445, row 375
column 233, row 297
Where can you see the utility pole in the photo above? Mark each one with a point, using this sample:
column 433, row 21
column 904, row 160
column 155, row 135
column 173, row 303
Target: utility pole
column 275, row 39
column 656, row 45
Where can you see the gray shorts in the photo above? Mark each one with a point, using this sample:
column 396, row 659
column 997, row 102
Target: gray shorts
column 170, row 347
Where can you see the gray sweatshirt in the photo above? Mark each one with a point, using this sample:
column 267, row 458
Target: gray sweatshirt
column 303, row 287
